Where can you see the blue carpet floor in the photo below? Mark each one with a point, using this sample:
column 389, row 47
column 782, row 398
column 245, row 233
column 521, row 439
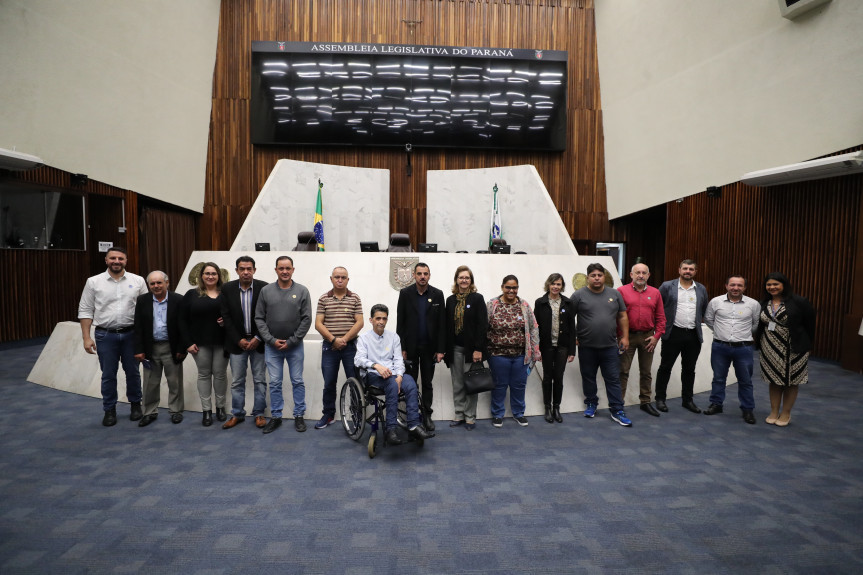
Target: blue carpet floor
column 683, row 493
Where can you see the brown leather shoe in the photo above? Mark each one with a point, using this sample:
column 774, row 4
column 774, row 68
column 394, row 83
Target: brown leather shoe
column 260, row 421
column 233, row 422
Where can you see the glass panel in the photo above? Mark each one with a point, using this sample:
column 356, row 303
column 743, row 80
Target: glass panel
column 40, row 219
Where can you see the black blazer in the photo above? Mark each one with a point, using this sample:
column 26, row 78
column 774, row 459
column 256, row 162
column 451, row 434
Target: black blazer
column 144, row 326
column 566, row 333
column 407, row 319
column 232, row 314
column 801, row 323
column 475, row 331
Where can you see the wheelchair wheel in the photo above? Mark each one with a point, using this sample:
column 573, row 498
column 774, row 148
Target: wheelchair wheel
column 403, row 411
column 373, row 445
column 353, row 408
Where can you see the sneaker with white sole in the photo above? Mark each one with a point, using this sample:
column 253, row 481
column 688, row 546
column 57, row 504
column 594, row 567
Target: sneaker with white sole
column 497, row 422
column 620, row 417
column 522, row 421
column 591, row 410
column 324, row 422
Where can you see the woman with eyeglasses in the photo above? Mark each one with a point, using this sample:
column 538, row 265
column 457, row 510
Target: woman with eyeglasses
column 466, row 328
column 513, row 345
column 204, row 337
column 556, row 321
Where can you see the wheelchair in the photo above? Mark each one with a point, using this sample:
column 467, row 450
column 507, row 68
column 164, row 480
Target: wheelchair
column 356, row 396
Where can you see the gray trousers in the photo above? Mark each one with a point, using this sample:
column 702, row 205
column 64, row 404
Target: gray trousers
column 463, row 404
column 212, row 375
column 163, row 361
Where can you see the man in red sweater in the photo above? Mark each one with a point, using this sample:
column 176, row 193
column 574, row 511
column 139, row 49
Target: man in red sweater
column 646, row 326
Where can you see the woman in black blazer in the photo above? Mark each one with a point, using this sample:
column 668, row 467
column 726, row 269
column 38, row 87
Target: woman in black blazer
column 466, row 329
column 784, row 335
column 556, row 321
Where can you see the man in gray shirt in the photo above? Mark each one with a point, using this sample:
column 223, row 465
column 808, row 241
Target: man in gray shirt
column 733, row 318
column 600, row 311
column 283, row 316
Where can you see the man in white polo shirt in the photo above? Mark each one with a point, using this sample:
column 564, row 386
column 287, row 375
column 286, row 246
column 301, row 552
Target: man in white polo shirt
column 108, row 303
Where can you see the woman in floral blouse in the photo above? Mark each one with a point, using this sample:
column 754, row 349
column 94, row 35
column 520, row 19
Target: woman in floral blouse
column 513, row 343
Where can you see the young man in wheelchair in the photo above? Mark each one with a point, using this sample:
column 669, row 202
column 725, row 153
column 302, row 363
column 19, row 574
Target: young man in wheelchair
column 380, row 353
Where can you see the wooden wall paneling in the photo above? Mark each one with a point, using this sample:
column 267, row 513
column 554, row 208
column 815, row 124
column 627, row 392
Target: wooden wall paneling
column 43, row 287
column 237, row 171
column 807, row 230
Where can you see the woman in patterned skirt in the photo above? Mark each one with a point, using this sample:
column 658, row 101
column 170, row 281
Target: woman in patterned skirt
column 785, row 334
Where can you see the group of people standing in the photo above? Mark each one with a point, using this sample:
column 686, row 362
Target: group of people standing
column 249, row 323
column 782, row 326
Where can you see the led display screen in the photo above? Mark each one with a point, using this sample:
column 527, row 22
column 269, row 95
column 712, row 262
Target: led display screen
column 393, row 95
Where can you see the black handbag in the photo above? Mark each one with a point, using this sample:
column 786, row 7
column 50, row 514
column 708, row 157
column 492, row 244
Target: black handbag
column 478, row 379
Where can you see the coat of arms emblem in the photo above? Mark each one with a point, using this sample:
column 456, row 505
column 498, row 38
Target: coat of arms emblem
column 402, row 272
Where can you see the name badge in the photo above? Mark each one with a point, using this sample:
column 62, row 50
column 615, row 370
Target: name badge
column 771, row 326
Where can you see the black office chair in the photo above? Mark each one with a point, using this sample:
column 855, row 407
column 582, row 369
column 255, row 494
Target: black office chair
column 306, row 242
column 400, row 243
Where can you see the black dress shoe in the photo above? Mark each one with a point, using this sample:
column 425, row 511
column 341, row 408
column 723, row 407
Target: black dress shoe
column 176, row 417
column 221, row 414
column 690, row 405
column 660, row 405
column 147, row 420
column 548, row 417
column 299, row 423
column 648, row 408
column 429, row 423
column 713, row 409
column 420, row 433
column 393, row 437
column 748, row 416
column 208, row 418
column 555, row 413
column 273, row 424
column 110, row 417
column 136, row 412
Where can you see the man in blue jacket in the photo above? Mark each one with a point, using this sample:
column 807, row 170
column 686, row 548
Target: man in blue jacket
column 685, row 301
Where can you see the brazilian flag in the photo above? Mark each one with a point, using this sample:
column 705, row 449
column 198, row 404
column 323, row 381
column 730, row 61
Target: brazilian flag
column 319, row 220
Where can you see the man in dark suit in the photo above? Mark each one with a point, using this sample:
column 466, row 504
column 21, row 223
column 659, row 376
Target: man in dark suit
column 159, row 347
column 239, row 298
column 421, row 325
column 685, row 301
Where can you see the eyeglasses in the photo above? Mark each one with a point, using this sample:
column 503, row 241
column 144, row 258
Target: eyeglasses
column 464, row 279
column 510, row 288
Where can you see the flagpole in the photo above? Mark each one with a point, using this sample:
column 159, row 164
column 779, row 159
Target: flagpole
column 319, row 219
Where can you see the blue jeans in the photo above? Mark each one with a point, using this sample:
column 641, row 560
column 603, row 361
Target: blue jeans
column 507, row 372
column 391, row 390
column 721, row 358
column 606, row 359
column 239, row 364
column 330, row 359
column 275, row 367
column 111, row 349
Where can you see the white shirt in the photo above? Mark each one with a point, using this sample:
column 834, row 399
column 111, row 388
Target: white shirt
column 687, row 299
column 732, row 321
column 110, row 303
column 385, row 350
